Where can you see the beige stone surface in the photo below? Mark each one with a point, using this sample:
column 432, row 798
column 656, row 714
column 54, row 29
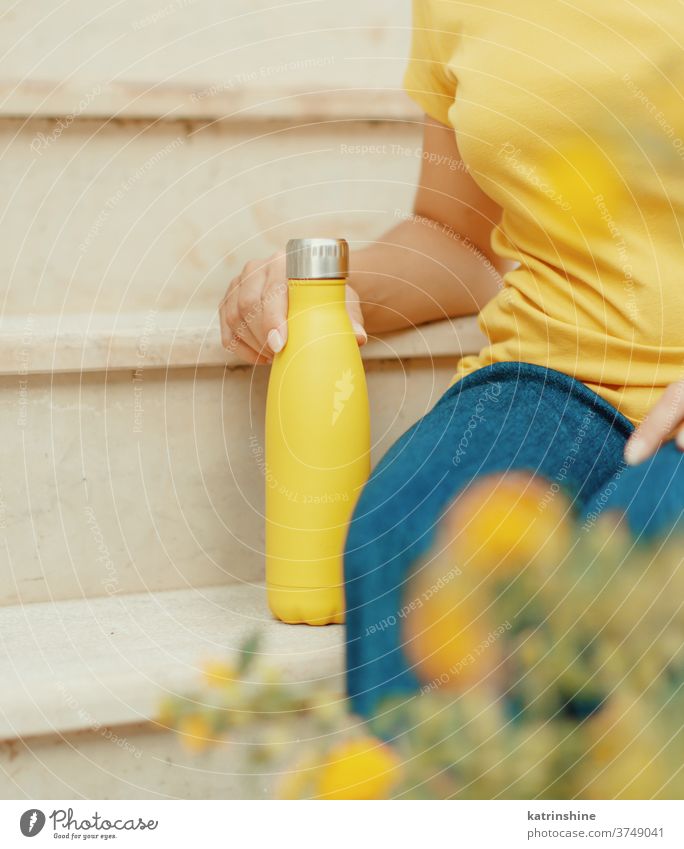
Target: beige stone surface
column 121, row 217
column 198, row 57
column 128, row 762
column 83, row 665
column 153, row 479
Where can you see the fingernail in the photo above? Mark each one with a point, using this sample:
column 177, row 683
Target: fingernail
column 635, row 451
column 679, row 439
column 360, row 332
column 275, row 341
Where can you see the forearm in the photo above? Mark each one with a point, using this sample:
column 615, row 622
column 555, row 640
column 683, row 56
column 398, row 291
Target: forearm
column 419, row 271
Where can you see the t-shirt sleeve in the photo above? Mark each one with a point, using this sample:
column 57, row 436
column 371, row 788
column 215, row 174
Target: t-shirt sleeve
column 427, row 80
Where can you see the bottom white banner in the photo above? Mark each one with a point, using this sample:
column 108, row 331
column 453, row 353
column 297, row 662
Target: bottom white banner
column 293, row 824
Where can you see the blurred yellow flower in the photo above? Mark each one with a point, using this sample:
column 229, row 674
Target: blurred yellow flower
column 364, row 768
column 624, row 759
column 271, row 675
column 218, row 673
column 502, row 522
column 329, row 706
column 447, row 636
column 195, row 731
column 297, row 783
column 610, row 534
column 168, row 710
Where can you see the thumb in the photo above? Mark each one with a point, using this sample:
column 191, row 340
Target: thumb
column 356, row 316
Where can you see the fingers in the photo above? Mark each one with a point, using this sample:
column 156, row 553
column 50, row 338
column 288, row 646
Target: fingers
column 253, row 313
column 657, row 426
column 356, row 316
column 274, row 310
column 249, row 355
column 252, row 294
column 235, row 334
column 233, row 343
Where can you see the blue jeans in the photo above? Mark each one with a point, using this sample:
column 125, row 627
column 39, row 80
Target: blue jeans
column 502, row 417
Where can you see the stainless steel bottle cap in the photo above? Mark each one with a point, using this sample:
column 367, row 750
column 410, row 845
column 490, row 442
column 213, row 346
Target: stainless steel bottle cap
column 317, row 259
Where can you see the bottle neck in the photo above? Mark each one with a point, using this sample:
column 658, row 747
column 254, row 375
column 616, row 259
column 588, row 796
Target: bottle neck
column 304, row 294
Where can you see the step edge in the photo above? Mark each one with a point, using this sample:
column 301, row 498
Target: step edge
column 145, row 341
column 47, row 99
column 37, row 715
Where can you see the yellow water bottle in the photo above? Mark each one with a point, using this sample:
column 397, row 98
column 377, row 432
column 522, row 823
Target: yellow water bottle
column 317, row 438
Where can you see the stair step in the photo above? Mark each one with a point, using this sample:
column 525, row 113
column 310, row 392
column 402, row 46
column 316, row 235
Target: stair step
column 157, row 339
column 255, row 58
column 80, row 665
column 140, row 467
column 118, row 216
column 209, row 100
column 129, row 762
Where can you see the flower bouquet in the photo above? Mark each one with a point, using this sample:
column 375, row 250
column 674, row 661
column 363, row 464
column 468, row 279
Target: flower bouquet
column 551, row 662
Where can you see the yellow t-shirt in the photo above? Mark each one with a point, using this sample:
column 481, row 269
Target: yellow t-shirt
column 570, row 115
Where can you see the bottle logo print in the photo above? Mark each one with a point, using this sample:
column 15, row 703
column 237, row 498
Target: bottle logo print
column 32, row 822
column 344, row 388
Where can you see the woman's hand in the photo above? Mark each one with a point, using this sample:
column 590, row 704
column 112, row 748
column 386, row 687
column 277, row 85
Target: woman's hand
column 253, row 312
column 666, row 416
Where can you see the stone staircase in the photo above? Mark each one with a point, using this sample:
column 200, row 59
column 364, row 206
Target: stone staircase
column 150, row 150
